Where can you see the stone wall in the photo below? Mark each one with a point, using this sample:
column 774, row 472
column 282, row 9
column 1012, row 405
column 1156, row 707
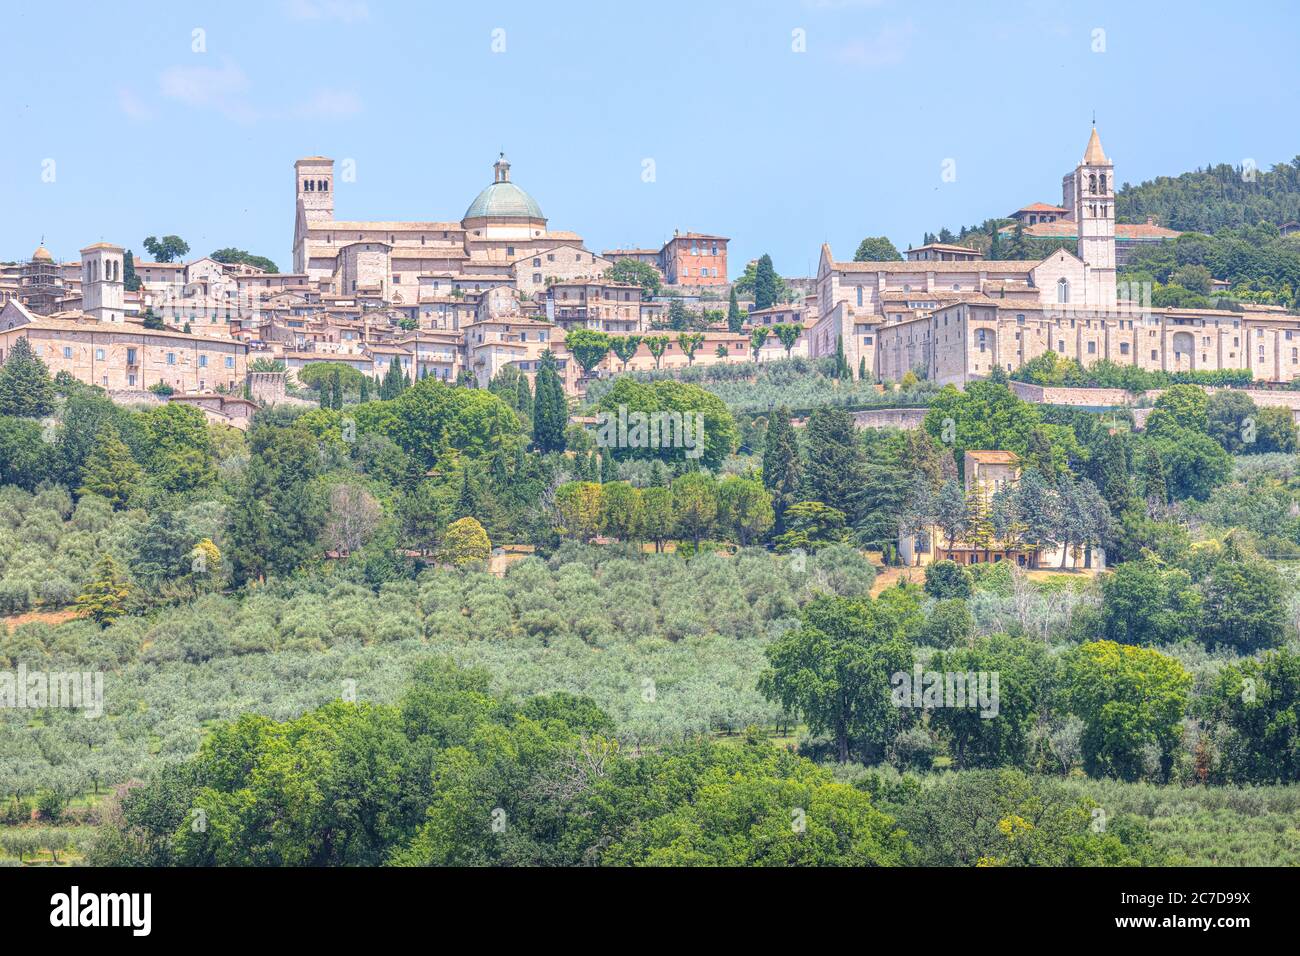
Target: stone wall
column 904, row 418
column 266, row 388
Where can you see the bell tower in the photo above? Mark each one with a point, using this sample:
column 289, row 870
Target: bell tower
column 1093, row 183
column 313, row 186
column 102, row 284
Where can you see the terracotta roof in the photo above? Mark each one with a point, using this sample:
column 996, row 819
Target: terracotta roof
column 390, row 225
column 996, row 265
column 1144, row 230
column 1041, row 207
column 947, row 247
column 64, row 322
column 994, row 457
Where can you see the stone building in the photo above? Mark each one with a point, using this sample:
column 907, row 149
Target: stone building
column 400, row 262
column 986, row 473
column 124, row 356
column 954, row 321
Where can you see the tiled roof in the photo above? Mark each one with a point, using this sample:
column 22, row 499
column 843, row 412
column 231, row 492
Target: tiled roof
column 995, row 265
column 993, row 457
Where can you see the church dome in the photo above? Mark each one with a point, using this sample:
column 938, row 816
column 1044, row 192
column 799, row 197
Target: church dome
column 42, row 254
column 503, row 199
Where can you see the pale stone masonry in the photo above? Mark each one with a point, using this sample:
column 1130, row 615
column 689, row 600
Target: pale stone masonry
column 952, row 320
column 124, row 356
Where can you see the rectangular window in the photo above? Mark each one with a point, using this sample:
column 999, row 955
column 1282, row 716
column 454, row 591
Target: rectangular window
column 99, row 355
column 67, row 351
column 203, row 361
column 1092, row 348
column 171, row 358
column 230, row 361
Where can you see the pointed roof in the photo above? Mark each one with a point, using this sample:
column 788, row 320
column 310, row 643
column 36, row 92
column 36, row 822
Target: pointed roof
column 1094, row 155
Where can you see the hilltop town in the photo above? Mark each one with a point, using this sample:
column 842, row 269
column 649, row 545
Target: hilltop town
column 459, row 300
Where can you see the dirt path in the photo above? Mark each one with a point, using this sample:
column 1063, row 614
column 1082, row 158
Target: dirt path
column 49, row 617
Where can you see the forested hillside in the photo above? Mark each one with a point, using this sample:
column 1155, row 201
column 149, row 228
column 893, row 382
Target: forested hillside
column 1217, row 197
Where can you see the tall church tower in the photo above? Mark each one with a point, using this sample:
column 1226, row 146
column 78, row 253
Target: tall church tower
column 1093, row 202
column 102, row 284
column 314, row 202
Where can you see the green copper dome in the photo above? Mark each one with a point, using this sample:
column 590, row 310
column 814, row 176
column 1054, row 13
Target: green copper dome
column 503, row 199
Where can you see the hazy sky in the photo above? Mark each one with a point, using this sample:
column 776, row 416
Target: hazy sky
column 779, row 149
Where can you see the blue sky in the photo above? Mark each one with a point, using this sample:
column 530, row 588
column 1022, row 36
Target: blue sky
column 778, row 149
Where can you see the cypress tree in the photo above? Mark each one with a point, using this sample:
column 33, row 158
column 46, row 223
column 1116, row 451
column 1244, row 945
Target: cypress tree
column 781, row 465
column 764, row 283
column 1153, row 477
column 467, row 505
column 524, row 396
column 365, row 389
column 735, row 320
column 550, row 410
column 841, row 363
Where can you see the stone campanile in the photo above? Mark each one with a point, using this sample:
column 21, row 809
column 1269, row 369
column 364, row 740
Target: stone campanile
column 102, row 284
column 1093, row 203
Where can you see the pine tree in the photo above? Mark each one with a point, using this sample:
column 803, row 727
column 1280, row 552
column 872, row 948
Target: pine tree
column 782, row 474
column 550, row 410
column 833, row 465
column 26, row 389
column 109, row 470
column 104, row 599
column 735, row 320
column 249, row 530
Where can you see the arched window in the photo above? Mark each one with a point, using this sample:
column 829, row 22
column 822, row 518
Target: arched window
column 1062, row 290
column 1092, row 183
column 325, row 185
column 1103, row 183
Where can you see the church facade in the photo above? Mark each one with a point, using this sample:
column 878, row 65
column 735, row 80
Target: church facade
column 953, row 321
column 406, row 263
